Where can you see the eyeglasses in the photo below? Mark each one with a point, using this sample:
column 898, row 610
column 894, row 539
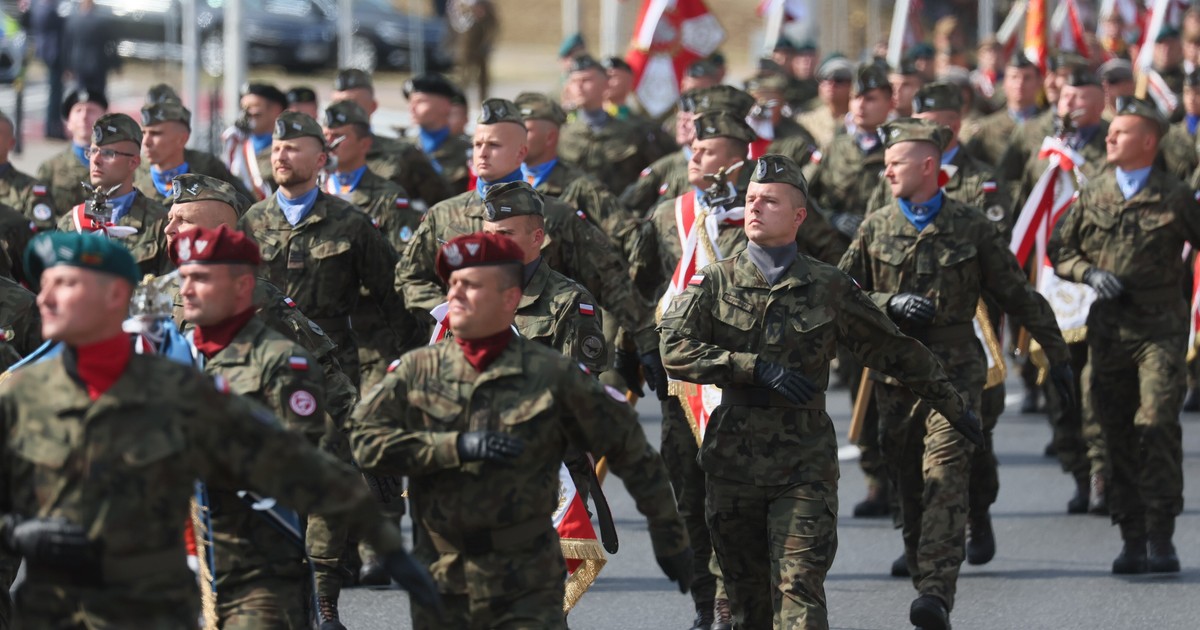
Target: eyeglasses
column 107, row 154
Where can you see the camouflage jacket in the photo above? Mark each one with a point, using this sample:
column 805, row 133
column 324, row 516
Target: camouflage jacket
column 666, row 177
column 20, row 323
column 404, row 163
column 844, row 177
column 716, row 330
column 387, row 204
column 990, row 136
column 1024, row 142
column 614, row 154
column 452, row 160
column 149, row 245
column 559, row 313
column 1177, row 152
column 954, row 261
column 29, row 196
column 198, row 162
column 822, row 124
column 574, row 247
column 1140, row 240
column 270, row 369
column 124, row 467
column 15, row 232
column 410, row 424
column 63, row 174
column 582, row 192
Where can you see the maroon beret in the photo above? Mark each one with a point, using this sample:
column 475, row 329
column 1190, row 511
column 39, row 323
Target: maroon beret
column 203, row 246
column 477, row 250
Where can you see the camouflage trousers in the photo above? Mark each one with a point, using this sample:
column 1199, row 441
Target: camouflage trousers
column 47, row 606
column 1078, row 436
column 1137, row 390
column 985, row 474
column 774, row 545
column 267, row 604
column 326, row 538
column 679, row 452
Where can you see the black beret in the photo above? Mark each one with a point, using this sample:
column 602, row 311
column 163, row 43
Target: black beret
column 267, row 91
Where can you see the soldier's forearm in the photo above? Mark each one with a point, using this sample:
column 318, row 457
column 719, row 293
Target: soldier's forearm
column 388, row 451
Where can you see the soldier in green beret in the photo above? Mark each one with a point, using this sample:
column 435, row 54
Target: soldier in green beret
column 429, row 101
column 166, row 128
column 927, row 453
column 64, row 172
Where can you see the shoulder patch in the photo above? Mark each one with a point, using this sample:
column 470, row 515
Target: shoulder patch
column 291, row 303
column 393, row 365
column 816, row 156
column 662, row 190
column 302, row 403
column 615, row 395
column 300, row 364
column 402, row 203
column 221, row 384
column 406, row 234
column 42, row 212
column 646, row 171
column 696, row 280
column 580, row 214
column 994, row 213
column 990, row 187
column 586, row 309
column 39, row 190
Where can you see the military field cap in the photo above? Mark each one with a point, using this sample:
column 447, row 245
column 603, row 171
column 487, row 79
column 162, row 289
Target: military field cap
column 301, row 95
column 86, row 250
column 938, row 97
column 191, row 187
column 499, row 110
column 1082, row 76
column 916, row 130
column 1020, row 60
column 430, row 83
column 1192, row 79
column 342, row 113
column 112, row 128
column 1167, row 32
column 569, row 44
column 292, row 125
column 1066, row 61
column 616, row 63
column 723, row 124
column 80, row 95
column 476, row 250
column 720, row 98
column 161, row 92
column 351, row 78
column 871, row 77
column 536, row 106
column 836, row 69
column 766, row 82
column 807, row 46
column 459, row 97
column 907, row 68
column 222, row 246
column 1115, row 71
column 956, row 75
column 1133, row 106
column 702, row 68
column 267, row 91
column 511, row 199
column 166, row 111
column 785, row 44
column 585, row 62
column 773, row 168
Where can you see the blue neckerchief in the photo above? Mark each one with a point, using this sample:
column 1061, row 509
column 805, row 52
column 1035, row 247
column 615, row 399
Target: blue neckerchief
column 595, row 120
column 539, row 173
column 1082, row 136
column 1021, row 115
column 1132, row 182
column 922, row 215
column 260, row 141
column 81, row 154
column 162, row 179
column 482, row 186
column 1192, row 119
column 294, row 210
column 687, row 152
column 948, row 154
column 122, row 204
column 352, row 179
column 431, row 140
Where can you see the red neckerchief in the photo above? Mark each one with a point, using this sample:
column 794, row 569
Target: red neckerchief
column 100, row 364
column 481, row 352
column 210, row 340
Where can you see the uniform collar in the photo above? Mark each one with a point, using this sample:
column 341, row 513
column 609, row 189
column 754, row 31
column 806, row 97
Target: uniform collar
column 1130, row 183
column 536, row 175
column 746, row 274
column 296, row 210
column 535, row 286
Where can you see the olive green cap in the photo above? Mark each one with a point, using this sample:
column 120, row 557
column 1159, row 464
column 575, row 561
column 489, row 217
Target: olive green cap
column 871, row 77
column 166, row 111
column 916, row 130
column 112, row 128
column 721, row 124
column 499, row 110
column 161, row 92
column 724, row 98
column 773, row 168
column 511, row 199
column 536, row 106
column 191, row 187
column 1133, row 106
column 86, row 250
column 352, row 78
column 342, row 113
column 766, row 82
column 938, row 97
column 291, row 125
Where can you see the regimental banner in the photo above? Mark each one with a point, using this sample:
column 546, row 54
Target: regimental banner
column 996, row 366
column 1071, row 302
column 580, row 547
column 669, row 36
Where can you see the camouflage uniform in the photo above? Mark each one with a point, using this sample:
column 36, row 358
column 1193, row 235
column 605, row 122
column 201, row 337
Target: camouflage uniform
column 452, row 160
column 499, row 562
column 584, row 193
column 198, row 162
column 614, row 153
column 990, row 136
column 665, row 178
column 149, row 245
column 63, row 174
column 1177, row 152
column 404, row 163
column 29, row 196
column 845, row 176
column 15, row 232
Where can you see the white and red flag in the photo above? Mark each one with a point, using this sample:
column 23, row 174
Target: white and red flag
column 1068, row 29
column 1035, row 33
column 581, row 547
column 669, row 36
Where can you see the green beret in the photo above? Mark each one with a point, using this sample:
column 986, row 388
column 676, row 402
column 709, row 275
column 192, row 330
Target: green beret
column 724, row 98
column 112, row 128
column 871, row 77
column 916, row 130
column 301, row 94
column 351, row 78
column 511, row 199
column 1167, row 32
column 584, row 63
column 342, row 113
column 166, row 111
column 773, row 168
column 938, row 97
column 191, row 187
column 499, row 110
column 569, row 44
column 292, row 125
column 161, row 92
column 616, row 63
column 1133, row 106
column 722, row 124
column 536, row 106
column 86, row 250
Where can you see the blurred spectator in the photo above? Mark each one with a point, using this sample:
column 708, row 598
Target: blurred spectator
column 46, row 27
column 91, row 51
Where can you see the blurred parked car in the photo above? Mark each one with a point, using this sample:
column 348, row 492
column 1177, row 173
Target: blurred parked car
column 383, row 36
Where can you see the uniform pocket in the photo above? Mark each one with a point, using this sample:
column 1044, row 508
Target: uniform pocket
column 439, row 409
column 526, row 409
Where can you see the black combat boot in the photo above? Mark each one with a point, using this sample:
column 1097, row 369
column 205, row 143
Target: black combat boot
column 1163, row 558
column 1097, row 496
column 1079, row 503
column 722, row 616
column 329, row 614
column 876, row 503
column 928, row 612
column 704, row 618
column 1132, row 560
column 372, row 573
column 900, row 567
column 981, row 540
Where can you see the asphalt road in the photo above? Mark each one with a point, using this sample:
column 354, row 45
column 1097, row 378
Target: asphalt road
column 1051, row 570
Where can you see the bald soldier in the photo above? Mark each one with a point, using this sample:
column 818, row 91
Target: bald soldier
column 166, row 128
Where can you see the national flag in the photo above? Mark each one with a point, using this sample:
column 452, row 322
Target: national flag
column 402, row 203
column 39, row 190
column 299, row 364
column 669, row 36
column 1035, row 33
column 1052, row 194
column 289, row 302
column 586, row 309
column 577, row 538
column 441, row 326
column 1009, row 34
column 816, row 156
column 906, row 30
column 1159, row 92
column 1153, row 21
column 696, row 280
column 989, row 187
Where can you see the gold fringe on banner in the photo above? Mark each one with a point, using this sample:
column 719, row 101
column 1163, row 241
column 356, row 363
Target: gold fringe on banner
column 679, row 389
column 592, row 559
column 208, row 598
column 999, row 370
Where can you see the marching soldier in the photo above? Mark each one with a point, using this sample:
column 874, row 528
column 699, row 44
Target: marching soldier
column 480, row 426
column 763, row 324
column 107, row 551
column 166, row 128
column 927, row 259
column 1123, row 236
column 115, row 156
column 64, row 172
column 1027, row 137
column 478, row 43
column 991, row 134
column 429, row 97
column 27, row 195
column 247, row 145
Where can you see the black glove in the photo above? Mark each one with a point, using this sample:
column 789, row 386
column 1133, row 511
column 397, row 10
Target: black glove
column 912, row 307
column 846, row 223
column 50, row 542
column 793, row 386
column 656, row 374
column 1063, row 379
column 413, row 578
column 678, row 568
column 970, row 427
column 491, row 446
column 629, row 368
column 1107, row 285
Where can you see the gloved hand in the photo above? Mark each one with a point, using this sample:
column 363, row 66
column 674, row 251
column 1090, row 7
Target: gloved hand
column 51, row 542
column 628, row 366
column 1063, row 379
column 970, row 427
column 413, row 578
column 917, row 309
column 846, row 223
column 793, row 386
column 656, row 374
column 678, row 568
column 1107, row 285
column 490, row 446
